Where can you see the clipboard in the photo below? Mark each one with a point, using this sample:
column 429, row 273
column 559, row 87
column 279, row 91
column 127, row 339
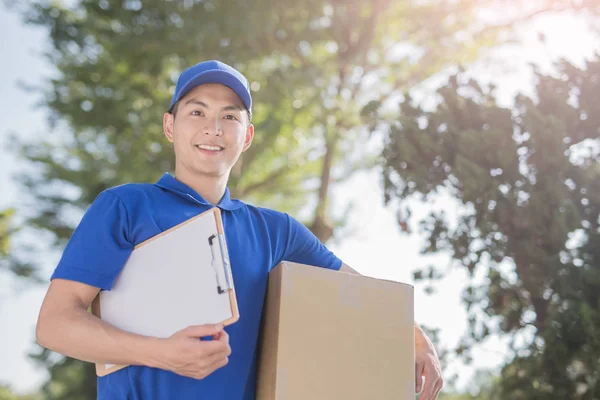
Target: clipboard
column 178, row 278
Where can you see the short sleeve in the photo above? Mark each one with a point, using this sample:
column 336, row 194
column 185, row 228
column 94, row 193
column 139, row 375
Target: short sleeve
column 303, row 247
column 99, row 246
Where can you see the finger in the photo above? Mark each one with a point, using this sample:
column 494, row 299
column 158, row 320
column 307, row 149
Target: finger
column 222, row 336
column 427, row 391
column 198, row 331
column 219, row 364
column 216, row 361
column 435, row 391
column 439, row 385
column 428, row 388
column 418, row 376
column 211, row 366
column 214, row 347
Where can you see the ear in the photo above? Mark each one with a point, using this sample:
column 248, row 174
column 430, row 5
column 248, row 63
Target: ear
column 249, row 137
column 168, row 121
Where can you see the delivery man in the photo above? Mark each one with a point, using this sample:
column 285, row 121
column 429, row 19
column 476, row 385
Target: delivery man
column 209, row 125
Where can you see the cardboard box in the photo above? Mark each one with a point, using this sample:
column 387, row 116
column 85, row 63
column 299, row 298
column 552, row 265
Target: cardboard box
column 335, row 335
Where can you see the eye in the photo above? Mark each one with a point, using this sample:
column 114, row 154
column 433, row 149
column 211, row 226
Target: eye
column 197, row 112
column 231, row 117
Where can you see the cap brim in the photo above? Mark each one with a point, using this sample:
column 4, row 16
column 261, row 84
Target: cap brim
column 217, row 76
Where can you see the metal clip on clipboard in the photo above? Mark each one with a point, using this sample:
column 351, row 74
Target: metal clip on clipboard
column 222, row 287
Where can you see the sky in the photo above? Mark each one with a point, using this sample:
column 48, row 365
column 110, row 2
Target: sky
column 374, row 246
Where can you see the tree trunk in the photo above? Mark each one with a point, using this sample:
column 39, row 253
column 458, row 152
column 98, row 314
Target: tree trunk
column 321, row 226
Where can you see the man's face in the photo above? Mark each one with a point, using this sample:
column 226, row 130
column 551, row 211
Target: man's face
column 209, row 131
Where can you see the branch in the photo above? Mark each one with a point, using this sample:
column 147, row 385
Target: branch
column 269, row 180
column 367, row 164
column 565, row 6
column 365, row 40
column 412, row 79
column 250, row 156
column 330, row 146
column 416, row 76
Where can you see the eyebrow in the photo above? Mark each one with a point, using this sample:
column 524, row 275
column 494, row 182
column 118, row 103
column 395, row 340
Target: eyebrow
column 197, row 102
column 200, row 103
column 232, row 108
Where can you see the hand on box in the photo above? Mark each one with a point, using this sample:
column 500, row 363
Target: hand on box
column 427, row 366
column 185, row 354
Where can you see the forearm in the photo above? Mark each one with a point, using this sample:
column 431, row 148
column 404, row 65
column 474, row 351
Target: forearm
column 78, row 334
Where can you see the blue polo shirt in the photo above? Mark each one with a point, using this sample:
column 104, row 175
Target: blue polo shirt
column 257, row 240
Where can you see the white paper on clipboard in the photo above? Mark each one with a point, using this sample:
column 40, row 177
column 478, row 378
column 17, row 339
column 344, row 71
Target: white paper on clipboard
column 178, row 278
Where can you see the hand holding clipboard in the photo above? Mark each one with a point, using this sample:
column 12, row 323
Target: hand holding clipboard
column 174, row 280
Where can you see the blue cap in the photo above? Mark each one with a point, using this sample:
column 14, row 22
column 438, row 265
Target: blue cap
column 213, row 72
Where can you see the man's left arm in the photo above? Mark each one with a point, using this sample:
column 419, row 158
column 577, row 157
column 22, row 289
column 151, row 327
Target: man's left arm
column 427, row 363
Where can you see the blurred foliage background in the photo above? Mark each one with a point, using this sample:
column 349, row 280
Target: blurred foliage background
column 334, row 86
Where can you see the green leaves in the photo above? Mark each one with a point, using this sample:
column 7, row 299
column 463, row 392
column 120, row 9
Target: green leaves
column 526, row 197
column 309, row 65
column 321, row 73
column 5, row 217
column 7, row 394
column 69, row 378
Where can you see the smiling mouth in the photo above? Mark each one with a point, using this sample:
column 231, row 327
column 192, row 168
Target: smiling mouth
column 209, row 148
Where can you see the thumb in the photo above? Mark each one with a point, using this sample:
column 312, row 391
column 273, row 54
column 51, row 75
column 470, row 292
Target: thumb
column 419, row 377
column 197, row 331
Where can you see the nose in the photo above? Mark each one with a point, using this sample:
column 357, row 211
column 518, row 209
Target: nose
column 213, row 127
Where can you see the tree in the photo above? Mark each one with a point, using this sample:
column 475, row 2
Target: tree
column 4, row 231
column 69, row 378
column 309, row 64
column 484, row 386
column 528, row 178
column 6, row 393
column 314, row 66
column 8, row 260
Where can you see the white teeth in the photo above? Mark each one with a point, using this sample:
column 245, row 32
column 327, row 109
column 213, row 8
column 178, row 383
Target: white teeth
column 207, row 147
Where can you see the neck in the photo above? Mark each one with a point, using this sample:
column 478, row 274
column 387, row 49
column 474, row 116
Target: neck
column 211, row 188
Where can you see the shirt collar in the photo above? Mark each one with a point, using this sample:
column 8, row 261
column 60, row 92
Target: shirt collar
column 170, row 183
